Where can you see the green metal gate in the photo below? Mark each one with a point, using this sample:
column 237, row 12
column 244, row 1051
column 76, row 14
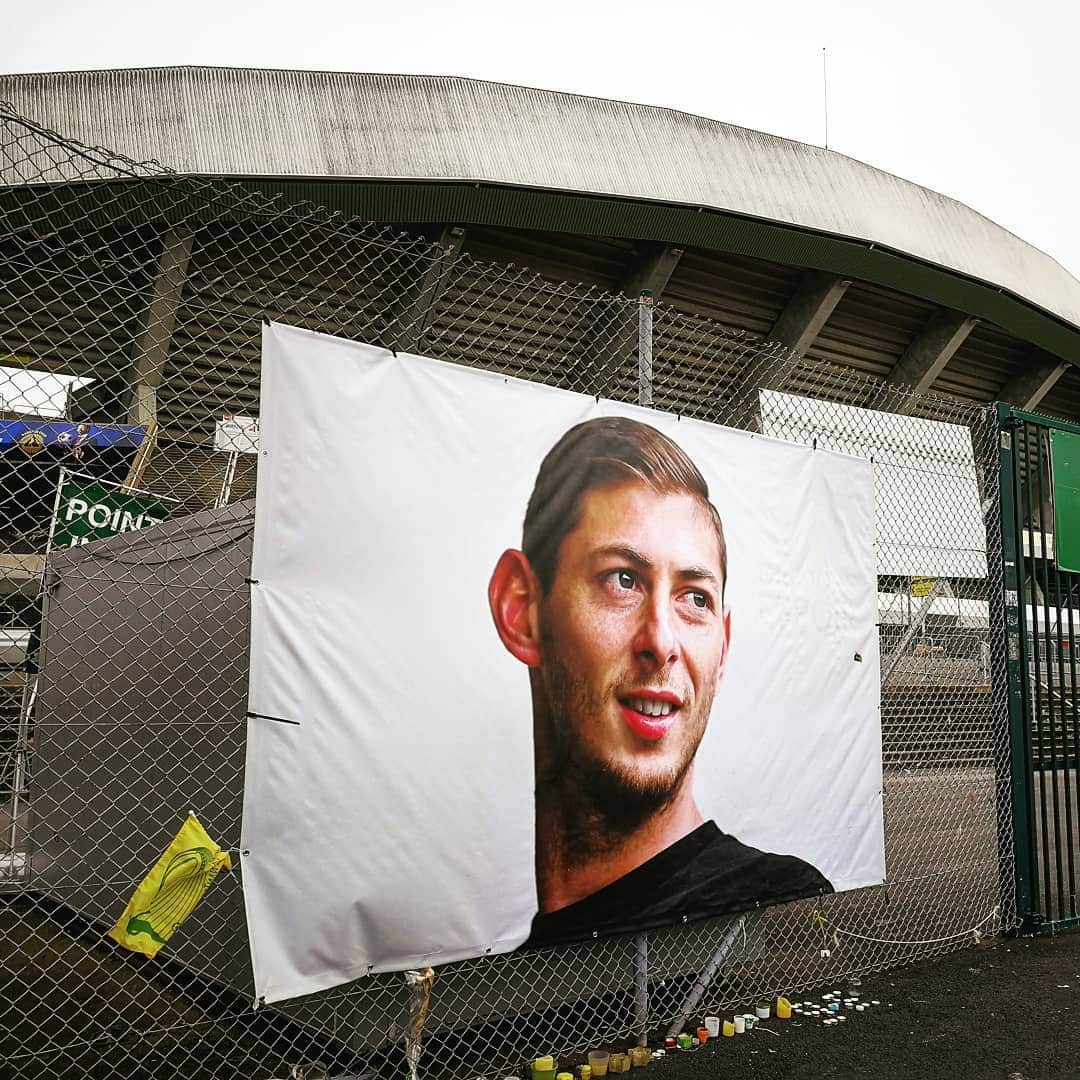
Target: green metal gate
column 1042, row 610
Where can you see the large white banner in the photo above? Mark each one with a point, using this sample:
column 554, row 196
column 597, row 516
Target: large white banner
column 529, row 667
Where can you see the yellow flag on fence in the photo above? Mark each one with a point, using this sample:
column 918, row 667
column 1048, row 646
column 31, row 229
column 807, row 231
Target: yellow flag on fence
column 169, row 893
column 922, row 586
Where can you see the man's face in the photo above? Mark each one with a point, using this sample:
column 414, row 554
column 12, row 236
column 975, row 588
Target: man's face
column 634, row 636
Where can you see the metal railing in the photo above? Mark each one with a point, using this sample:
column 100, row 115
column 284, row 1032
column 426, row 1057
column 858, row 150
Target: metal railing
column 1044, row 625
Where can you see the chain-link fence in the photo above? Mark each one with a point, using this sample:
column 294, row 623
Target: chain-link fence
column 130, row 314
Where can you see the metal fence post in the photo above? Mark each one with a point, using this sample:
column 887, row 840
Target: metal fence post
column 641, row 989
column 719, row 957
column 645, row 335
column 1015, row 662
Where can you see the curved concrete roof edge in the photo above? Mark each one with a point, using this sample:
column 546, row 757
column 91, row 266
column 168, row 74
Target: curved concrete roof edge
column 253, row 123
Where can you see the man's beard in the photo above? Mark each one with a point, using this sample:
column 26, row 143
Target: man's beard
column 610, row 801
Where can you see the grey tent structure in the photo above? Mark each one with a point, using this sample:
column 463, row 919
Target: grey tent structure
column 140, row 718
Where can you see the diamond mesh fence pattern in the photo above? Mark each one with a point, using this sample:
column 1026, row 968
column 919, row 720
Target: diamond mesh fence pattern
column 130, row 313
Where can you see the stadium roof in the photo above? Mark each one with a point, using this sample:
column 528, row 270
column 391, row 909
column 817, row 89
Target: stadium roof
column 423, row 144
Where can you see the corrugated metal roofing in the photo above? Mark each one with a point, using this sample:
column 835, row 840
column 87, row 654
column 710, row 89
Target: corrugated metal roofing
column 253, row 123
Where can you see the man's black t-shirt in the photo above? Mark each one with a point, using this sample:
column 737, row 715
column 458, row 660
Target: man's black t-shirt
column 705, row 873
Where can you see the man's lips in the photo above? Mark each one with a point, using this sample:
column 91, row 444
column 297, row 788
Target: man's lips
column 649, row 714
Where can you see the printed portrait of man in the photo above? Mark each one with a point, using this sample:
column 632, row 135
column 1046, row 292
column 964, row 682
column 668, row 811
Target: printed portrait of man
column 615, row 603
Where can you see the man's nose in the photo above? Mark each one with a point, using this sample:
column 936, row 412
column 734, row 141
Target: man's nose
column 656, row 639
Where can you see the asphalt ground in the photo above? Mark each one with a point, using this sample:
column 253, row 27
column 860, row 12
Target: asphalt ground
column 1007, row 1009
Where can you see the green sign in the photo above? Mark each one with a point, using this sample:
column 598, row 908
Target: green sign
column 89, row 510
column 1065, row 472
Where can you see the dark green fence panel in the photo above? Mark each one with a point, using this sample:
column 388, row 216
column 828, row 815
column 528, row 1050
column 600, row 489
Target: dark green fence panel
column 1041, row 522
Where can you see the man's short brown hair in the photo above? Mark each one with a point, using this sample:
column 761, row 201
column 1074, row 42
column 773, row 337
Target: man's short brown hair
column 596, row 454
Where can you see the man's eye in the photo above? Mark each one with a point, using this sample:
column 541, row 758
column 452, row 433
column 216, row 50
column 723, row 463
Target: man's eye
column 699, row 599
column 625, row 579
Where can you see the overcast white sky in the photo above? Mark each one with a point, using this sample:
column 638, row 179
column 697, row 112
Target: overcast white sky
column 978, row 99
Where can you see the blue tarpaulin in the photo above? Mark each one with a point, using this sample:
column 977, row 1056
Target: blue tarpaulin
column 64, row 433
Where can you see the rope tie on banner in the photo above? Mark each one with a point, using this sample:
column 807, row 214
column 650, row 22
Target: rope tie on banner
column 419, row 984
column 276, row 719
column 819, row 920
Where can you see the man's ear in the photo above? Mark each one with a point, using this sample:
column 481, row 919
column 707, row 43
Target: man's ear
column 513, row 595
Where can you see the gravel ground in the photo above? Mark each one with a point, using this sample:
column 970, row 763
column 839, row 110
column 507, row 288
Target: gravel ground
column 1005, row 1010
